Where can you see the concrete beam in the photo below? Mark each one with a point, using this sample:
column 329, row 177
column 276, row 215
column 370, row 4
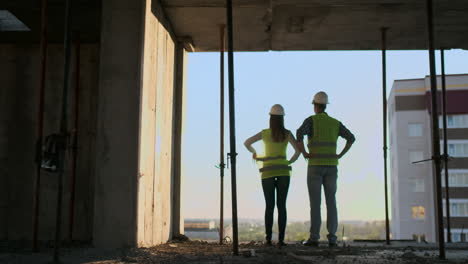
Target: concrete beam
column 319, row 24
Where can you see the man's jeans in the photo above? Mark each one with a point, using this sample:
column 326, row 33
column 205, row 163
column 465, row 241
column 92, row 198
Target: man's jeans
column 316, row 176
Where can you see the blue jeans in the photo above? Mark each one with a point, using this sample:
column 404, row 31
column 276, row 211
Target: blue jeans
column 316, row 177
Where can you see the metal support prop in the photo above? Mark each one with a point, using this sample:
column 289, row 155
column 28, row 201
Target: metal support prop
column 232, row 128
column 221, row 133
column 384, row 118
column 63, row 128
column 444, row 129
column 435, row 130
column 40, row 122
column 75, row 138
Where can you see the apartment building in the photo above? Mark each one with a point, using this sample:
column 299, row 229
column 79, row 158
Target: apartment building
column 410, row 135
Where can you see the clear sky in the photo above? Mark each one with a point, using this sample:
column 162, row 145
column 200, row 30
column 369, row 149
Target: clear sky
column 353, row 81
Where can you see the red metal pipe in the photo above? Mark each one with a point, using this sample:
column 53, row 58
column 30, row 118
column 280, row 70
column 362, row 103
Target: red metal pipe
column 75, row 138
column 40, row 120
column 63, row 129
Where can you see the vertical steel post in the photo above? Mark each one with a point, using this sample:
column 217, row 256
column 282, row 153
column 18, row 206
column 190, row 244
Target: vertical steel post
column 221, row 133
column 444, row 128
column 63, row 128
column 435, row 130
column 75, row 138
column 232, row 128
column 40, row 122
column 384, row 118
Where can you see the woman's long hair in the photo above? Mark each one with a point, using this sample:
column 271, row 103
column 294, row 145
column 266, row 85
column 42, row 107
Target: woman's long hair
column 278, row 132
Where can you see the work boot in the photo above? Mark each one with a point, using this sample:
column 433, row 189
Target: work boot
column 311, row 243
column 281, row 243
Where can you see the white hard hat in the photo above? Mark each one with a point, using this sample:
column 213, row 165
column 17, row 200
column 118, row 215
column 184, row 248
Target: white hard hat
column 320, row 98
column 277, row 109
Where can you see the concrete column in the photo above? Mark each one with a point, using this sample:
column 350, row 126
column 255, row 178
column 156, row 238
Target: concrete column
column 115, row 200
column 179, row 93
column 135, row 125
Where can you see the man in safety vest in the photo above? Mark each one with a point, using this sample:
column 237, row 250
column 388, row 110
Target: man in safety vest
column 322, row 132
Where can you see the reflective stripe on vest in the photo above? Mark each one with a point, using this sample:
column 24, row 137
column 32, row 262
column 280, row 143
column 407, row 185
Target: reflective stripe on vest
column 275, row 167
column 322, row 145
column 271, row 158
column 323, row 156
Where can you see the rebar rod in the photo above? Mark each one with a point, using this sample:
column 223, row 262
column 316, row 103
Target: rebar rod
column 435, row 129
column 40, row 122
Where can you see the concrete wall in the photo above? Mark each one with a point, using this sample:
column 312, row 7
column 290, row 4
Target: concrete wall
column 133, row 199
column 19, row 78
column 130, row 122
column 154, row 201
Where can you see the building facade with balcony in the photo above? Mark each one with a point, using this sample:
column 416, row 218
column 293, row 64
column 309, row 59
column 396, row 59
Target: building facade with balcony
column 410, row 135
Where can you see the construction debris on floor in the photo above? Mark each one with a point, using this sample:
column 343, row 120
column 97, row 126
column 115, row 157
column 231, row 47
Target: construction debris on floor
column 253, row 252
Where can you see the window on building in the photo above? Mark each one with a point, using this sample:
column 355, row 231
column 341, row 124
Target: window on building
column 391, row 110
column 419, row 237
column 415, row 129
column 458, row 149
column 416, row 156
column 418, row 212
column 459, row 209
column 457, row 236
column 417, row 185
column 455, row 121
column 457, row 178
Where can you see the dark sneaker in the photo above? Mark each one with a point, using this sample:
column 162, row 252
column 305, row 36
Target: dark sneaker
column 281, row 243
column 311, row 243
column 332, row 245
column 268, row 243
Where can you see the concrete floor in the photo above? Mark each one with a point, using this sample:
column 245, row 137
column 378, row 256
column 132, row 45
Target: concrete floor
column 253, row 252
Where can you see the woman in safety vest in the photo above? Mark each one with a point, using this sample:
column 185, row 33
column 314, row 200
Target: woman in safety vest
column 275, row 169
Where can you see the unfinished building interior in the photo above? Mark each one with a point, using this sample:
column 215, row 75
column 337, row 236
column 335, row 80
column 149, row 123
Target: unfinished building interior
column 126, row 86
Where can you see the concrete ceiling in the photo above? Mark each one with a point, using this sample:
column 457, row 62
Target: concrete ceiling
column 262, row 25
column 86, row 19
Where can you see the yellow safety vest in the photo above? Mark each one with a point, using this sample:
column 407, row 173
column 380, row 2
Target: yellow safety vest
column 274, row 163
column 322, row 145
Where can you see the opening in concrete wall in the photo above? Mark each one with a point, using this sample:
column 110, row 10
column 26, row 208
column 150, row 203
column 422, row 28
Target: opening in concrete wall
column 352, row 80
